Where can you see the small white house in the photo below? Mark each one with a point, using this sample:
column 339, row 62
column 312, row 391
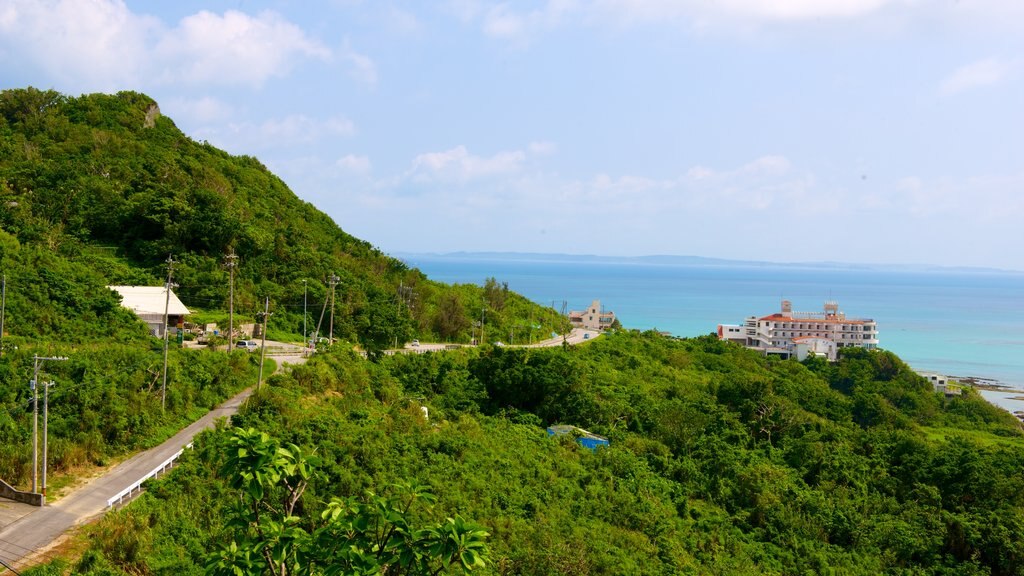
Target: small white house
column 149, row 303
column 805, row 346
column 940, row 383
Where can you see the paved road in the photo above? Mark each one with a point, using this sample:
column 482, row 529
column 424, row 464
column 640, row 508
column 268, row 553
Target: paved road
column 23, row 542
column 577, row 336
column 27, row 533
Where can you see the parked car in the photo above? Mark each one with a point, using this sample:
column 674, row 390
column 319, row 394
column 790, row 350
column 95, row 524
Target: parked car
column 416, row 343
column 249, row 345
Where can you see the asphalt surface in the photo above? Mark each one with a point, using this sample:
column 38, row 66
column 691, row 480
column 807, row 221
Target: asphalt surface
column 24, row 542
column 28, row 532
column 577, row 336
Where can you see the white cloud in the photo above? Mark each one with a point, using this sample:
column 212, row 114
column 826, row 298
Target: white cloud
column 402, row 21
column 291, row 130
column 197, row 111
column 642, row 11
column 504, row 21
column 987, row 72
column 235, row 48
column 103, row 45
column 459, row 165
column 361, row 67
column 768, row 208
column 511, row 22
column 93, row 44
column 354, row 164
column 542, row 148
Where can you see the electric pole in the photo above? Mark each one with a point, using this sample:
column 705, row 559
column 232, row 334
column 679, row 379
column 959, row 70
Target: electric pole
column 263, row 348
column 167, row 305
column 334, row 283
column 305, row 335
column 3, row 310
column 231, row 258
column 37, row 361
column 320, row 322
column 46, row 426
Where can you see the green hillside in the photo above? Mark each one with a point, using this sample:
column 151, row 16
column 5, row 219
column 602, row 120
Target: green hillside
column 720, row 461
column 107, row 188
column 99, row 190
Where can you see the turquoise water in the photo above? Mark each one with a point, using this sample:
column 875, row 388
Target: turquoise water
column 956, row 323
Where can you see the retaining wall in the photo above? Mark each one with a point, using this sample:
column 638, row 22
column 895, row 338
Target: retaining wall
column 8, row 491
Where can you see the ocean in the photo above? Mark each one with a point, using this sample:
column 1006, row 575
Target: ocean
column 958, row 323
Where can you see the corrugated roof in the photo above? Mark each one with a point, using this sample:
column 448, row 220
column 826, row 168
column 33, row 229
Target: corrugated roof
column 149, row 300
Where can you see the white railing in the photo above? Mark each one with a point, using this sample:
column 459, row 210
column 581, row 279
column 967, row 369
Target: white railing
column 136, row 487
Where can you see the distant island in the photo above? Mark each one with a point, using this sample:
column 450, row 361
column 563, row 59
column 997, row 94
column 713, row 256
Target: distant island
column 683, row 260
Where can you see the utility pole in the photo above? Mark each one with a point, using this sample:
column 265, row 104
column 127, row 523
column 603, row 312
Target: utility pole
column 263, row 347
column 334, row 282
column 482, row 315
column 167, row 305
column 37, row 361
column 3, row 310
column 46, row 427
column 305, row 335
column 231, row 263
column 320, row 322
column 35, row 423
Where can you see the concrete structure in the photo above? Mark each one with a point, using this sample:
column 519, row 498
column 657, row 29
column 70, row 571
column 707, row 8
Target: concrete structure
column 593, row 318
column 941, row 383
column 148, row 303
column 802, row 334
column 12, row 493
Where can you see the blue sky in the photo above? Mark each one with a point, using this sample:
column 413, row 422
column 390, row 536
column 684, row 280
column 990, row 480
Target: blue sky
column 880, row 131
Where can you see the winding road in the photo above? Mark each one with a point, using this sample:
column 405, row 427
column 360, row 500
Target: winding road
column 28, row 533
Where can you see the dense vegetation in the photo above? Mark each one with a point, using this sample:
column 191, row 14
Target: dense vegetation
column 108, row 188
column 98, row 190
column 721, row 462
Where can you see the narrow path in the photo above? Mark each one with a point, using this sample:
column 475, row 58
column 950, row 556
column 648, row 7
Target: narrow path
column 23, row 542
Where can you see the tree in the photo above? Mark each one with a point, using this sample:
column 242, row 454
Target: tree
column 451, row 316
column 382, row 323
column 495, row 294
column 370, row 535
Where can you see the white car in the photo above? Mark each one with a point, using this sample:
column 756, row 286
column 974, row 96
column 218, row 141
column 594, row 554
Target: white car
column 415, row 343
column 249, row 345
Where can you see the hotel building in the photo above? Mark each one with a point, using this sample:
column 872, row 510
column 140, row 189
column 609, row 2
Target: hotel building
column 802, row 334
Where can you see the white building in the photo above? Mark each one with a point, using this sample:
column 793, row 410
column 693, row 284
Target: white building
column 941, row 383
column 803, row 334
column 593, row 318
column 149, row 303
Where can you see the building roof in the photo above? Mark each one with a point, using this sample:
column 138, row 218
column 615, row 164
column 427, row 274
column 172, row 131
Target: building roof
column 149, row 300
column 779, row 317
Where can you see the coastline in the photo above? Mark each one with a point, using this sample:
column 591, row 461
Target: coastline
column 997, row 393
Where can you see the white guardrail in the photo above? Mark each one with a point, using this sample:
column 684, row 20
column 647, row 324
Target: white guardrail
column 136, row 487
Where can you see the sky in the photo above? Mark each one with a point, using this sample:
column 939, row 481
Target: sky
column 864, row 131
